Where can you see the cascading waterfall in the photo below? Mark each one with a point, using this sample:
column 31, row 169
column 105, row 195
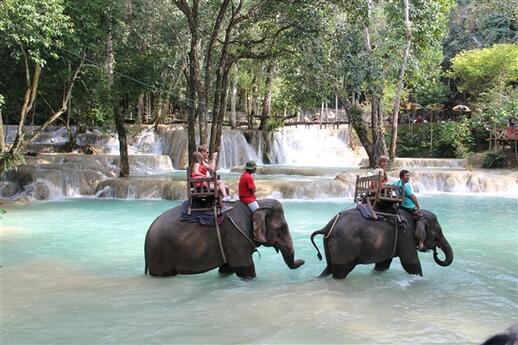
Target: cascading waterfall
column 235, row 150
column 314, row 147
column 309, row 160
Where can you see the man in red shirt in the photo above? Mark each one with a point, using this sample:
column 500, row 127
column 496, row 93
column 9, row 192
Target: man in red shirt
column 247, row 195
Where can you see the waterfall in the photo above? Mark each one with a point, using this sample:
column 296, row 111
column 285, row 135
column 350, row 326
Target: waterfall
column 290, row 146
column 314, row 147
column 235, row 150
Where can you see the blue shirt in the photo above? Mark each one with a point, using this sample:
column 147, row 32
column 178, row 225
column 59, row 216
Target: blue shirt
column 407, row 193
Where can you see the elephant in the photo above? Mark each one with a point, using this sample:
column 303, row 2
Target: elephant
column 350, row 239
column 175, row 247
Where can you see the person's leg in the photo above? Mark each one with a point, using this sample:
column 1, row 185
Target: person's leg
column 222, row 189
column 420, row 231
column 253, row 206
column 257, row 232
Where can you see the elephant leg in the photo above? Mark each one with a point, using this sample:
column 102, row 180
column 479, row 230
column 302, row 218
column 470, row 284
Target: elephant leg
column 225, row 269
column 245, row 272
column 341, row 271
column 407, row 253
column 169, row 273
column 412, row 267
column 325, row 272
column 383, row 265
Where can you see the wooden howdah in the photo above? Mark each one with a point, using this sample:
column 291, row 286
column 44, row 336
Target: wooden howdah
column 202, row 192
column 371, row 191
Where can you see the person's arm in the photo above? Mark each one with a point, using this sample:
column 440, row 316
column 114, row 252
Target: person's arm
column 410, row 193
column 211, row 164
column 251, row 185
column 414, row 199
column 196, row 170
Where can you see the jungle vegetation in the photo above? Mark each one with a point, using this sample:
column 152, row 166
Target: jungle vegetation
column 257, row 64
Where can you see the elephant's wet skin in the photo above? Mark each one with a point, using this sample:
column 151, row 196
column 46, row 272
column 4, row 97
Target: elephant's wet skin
column 351, row 240
column 174, row 247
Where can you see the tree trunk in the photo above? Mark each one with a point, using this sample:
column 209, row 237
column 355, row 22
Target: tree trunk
column 203, row 90
column 216, row 143
column 2, row 142
column 191, row 14
column 256, row 87
column 233, row 96
column 30, row 96
column 267, row 101
column 397, row 97
column 118, row 116
column 140, row 107
column 377, row 146
column 64, row 105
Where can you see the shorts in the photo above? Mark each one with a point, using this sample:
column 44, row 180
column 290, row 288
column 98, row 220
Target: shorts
column 253, row 206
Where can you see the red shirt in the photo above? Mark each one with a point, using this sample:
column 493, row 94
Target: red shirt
column 202, row 170
column 246, row 184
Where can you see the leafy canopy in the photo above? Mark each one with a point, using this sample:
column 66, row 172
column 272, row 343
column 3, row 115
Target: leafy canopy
column 478, row 70
column 32, row 26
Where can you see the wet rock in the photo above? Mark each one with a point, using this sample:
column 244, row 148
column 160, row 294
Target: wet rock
column 8, row 189
column 41, row 191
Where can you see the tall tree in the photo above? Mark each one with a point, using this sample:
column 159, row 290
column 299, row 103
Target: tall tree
column 399, row 87
column 32, row 29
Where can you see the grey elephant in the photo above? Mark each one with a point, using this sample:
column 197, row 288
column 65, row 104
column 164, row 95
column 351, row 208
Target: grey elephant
column 350, row 239
column 175, row 247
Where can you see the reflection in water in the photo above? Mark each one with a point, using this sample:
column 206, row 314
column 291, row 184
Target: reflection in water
column 74, row 275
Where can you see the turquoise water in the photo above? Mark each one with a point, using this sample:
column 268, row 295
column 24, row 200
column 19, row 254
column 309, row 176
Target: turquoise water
column 72, row 273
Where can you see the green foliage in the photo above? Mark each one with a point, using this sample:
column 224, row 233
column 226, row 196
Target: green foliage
column 273, row 124
column 481, row 69
column 496, row 107
column 449, row 140
column 478, row 24
column 10, row 161
column 454, row 139
column 494, row 160
column 33, row 27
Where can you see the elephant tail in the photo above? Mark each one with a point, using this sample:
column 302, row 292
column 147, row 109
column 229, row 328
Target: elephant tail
column 318, row 232
column 326, row 231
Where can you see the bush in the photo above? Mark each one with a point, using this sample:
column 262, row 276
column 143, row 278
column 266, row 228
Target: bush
column 454, row 140
column 494, row 160
column 10, row 161
column 450, row 140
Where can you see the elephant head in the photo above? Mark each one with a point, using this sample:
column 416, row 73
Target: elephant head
column 435, row 239
column 269, row 219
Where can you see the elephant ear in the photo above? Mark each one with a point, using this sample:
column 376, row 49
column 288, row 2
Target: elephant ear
column 407, row 250
column 259, row 218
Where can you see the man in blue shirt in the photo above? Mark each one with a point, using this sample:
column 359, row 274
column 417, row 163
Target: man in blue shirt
column 411, row 205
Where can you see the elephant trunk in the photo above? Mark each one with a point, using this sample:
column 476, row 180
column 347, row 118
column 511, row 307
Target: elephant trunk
column 289, row 258
column 448, row 252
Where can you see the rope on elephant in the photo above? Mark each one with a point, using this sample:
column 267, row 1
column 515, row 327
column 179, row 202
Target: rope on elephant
column 219, row 236
column 244, row 234
column 333, row 226
column 395, row 237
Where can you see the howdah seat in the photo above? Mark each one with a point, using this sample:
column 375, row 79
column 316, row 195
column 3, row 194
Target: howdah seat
column 202, row 193
column 371, row 191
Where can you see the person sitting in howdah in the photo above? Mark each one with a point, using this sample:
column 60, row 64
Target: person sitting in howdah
column 247, row 195
column 411, row 205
